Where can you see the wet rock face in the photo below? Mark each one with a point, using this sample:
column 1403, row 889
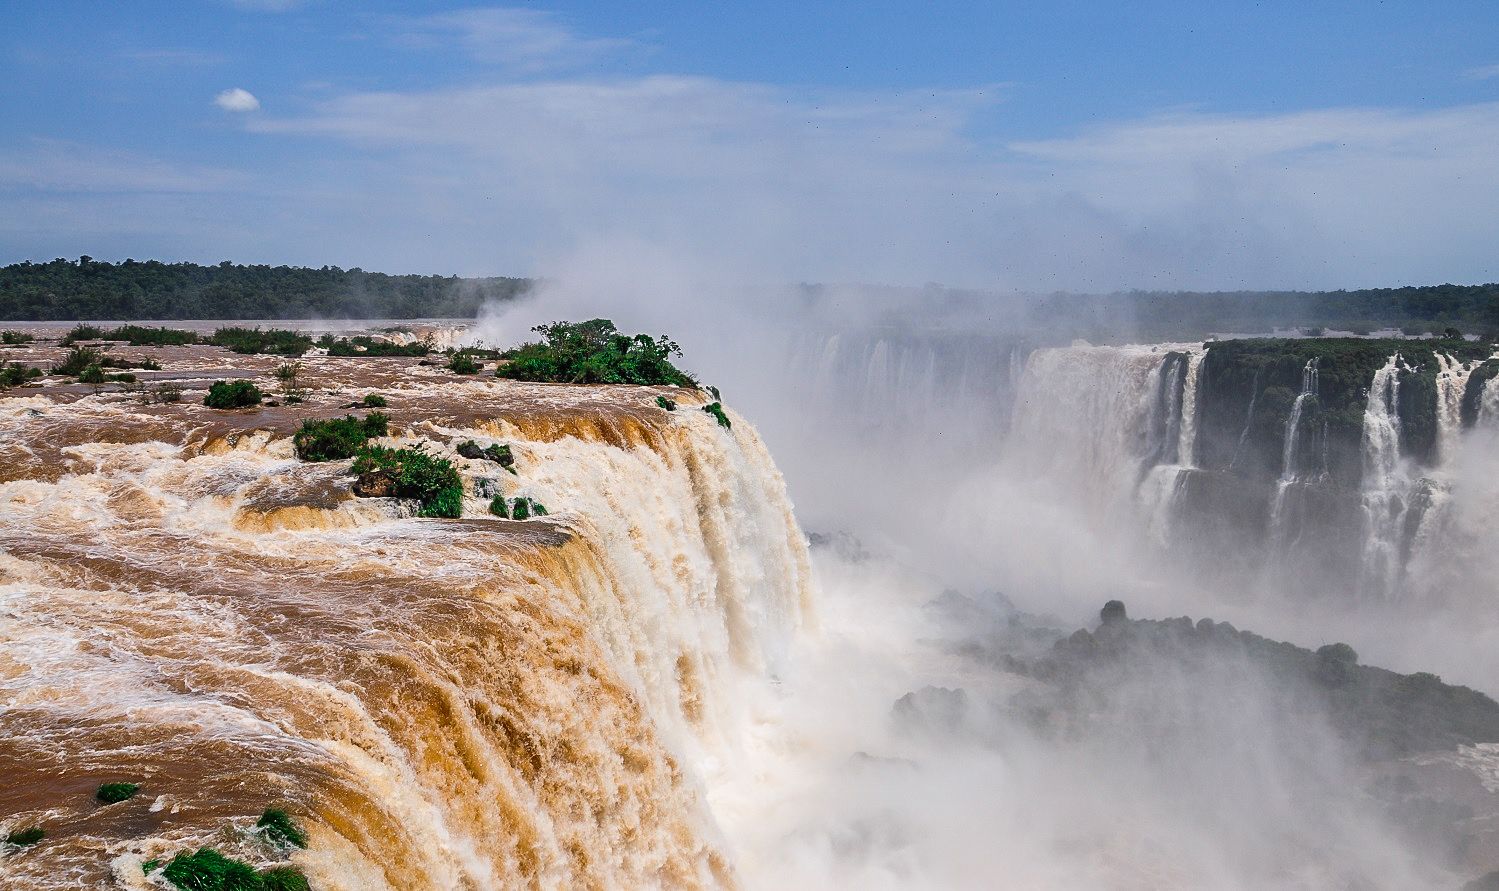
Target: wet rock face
column 1112, row 612
column 375, row 484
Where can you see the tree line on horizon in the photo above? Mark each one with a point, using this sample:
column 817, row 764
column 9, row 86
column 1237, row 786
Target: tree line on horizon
column 70, row 290
column 83, row 289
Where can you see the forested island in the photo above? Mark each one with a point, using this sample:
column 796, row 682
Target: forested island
column 149, row 289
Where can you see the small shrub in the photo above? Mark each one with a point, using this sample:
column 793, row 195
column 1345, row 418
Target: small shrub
column 410, row 473
column 119, row 378
column 91, row 374
column 520, row 509
column 463, row 362
column 207, row 870
column 716, row 410
column 337, row 438
column 284, row 878
column 498, row 508
column 26, row 837
column 14, row 374
column 279, row 828
column 164, row 394
column 77, row 359
column 15, row 338
column 114, row 793
column 82, row 332
column 374, row 400
column 287, row 374
column 668, row 404
column 233, row 394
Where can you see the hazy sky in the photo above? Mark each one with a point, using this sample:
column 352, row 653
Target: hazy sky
column 1080, row 145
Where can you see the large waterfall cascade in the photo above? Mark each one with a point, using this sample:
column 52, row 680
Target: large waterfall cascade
column 475, row 703
column 1124, row 424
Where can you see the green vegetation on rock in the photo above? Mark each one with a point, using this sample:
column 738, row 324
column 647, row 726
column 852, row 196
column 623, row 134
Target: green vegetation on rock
column 716, row 410
column 280, row 829
column 334, row 439
column 14, row 374
column 274, row 341
column 207, row 870
column 15, row 338
column 26, row 837
column 232, row 394
column 668, row 404
column 595, row 352
column 409, row 473
column 373, row 400
column 114, row 793
column 462, row 362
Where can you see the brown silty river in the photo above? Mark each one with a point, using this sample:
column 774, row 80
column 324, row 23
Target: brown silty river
column 471, row 703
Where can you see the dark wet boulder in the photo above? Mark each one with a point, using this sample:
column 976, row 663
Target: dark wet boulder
column 1112, row 612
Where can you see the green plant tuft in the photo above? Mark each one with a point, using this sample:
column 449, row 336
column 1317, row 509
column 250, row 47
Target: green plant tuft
column 26, row 837
column 280, row 829
column 520, row 509
column 716, row 410
column 374, row 400
column 410, row 473
column 498, row 508
column 151, row 866
column 337, row 438
column 114, row 793
column 668, row 404
column 15, row 338
column 91, row 374
column 283, row 878
column 207, row 870
column 232, row 394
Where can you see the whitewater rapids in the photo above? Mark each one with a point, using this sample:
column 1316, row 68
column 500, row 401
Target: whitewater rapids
column 443, row 704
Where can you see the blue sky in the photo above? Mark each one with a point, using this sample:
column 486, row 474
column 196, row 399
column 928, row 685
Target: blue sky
column 1080, row 145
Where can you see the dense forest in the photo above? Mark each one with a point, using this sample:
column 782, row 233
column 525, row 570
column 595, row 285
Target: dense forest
column 89, row 289
column 1429, row 309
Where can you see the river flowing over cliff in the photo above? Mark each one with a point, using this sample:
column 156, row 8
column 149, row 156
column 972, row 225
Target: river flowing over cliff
column 475, row 703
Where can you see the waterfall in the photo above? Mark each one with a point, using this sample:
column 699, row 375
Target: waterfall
column 1288, row 455
column 1452, row 381
column 1186, row 448
column 473, row 703
column 1386, row 484
column 1114, row 426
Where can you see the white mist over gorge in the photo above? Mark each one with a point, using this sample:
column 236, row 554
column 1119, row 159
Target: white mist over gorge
column 815, row 447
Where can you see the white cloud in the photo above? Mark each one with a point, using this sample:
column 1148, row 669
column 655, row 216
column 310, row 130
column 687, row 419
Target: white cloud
column 523, row 40
column 237, row 99
column 1482, row 72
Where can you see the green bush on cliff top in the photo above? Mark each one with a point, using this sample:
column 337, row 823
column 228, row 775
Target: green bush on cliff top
column 595, row 352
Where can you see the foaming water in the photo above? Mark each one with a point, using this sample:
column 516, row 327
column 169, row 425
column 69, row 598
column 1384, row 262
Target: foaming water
column 478, row 703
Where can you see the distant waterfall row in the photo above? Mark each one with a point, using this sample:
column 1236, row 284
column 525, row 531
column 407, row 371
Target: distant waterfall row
column 1341, row 481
